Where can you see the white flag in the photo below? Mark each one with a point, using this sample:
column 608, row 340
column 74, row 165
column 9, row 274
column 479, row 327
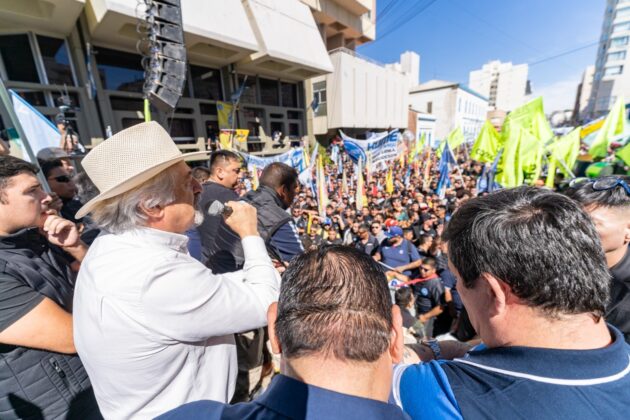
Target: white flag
column 39, row 131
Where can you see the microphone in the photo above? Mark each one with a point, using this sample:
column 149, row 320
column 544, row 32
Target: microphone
column 217, row 208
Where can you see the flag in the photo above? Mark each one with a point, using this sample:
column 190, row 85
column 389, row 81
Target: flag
column 614, row 125
column 486, row 145
column 225, row 115
column 624, row 154
column 455, row 139
column 486, row 182
column 39, row 131
column 344, row 182
column 315, row 103
column 255, row 178
column 446, row 161
column 241, row 135
column 531, row 117
column 522, row 157
column 510, row 176
column 322, row 192
column 225, row 140
column 566, row 150
column 368, row 167
column 417, row 149
column 309, row 223
column 236, row 96
column 358, row 200
column 389, row 181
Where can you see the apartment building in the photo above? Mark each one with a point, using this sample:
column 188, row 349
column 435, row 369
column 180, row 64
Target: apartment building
column 504, row 84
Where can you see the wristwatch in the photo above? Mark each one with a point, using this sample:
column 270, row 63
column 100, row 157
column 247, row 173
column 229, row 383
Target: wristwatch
column 433, row 344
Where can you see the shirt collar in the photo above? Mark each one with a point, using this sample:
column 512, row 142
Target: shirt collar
column 24, row 238
column 558, row 364
column 295, row 399
column 144, row 235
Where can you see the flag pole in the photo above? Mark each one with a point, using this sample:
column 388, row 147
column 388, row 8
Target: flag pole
column 6, row 101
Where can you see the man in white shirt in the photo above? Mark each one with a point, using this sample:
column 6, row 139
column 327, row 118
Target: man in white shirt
column 153, row 326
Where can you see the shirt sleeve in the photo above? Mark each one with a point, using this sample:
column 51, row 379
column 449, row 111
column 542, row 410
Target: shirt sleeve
column 415, row 255
column 287, row 241
column 185, row 301
column 437, row 292
column 423, row 392
column 16, row 300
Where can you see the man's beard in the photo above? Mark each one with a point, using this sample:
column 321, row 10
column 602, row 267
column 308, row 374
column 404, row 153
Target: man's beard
column 198, row 219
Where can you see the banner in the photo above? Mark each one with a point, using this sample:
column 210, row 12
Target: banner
column 225, row 115
column 293, row 158
column 381, row 149
column 225, row 140
column 240, row 135
column 39, row 131
column 487, row 145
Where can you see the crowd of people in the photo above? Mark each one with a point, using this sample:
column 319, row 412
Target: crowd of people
column 141, row 287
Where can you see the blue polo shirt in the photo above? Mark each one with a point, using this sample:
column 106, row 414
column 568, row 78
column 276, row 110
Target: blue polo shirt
column 287, row 398
column 395, row 256
column 520, row 382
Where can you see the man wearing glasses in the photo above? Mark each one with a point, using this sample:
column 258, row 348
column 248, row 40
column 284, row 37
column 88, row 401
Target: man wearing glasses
column 60, row 181
column 377, row 231
column 607, row 201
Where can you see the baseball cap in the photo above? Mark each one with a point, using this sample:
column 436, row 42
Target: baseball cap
column 395, row 231
column 49, row 153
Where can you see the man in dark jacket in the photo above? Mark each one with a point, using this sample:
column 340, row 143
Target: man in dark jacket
column 40, row 374
column 278, row 187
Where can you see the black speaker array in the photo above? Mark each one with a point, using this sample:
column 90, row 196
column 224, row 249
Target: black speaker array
column 164, row 53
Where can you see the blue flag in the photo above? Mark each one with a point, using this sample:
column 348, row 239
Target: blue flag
column 446, row 162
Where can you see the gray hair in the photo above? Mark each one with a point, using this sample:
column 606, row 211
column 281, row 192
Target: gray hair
column 124, row 212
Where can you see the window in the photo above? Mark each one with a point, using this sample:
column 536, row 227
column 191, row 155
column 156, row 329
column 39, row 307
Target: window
column 623, row 12
column 249, row 93
column 616, row 56
column 612, row 71
column 56, row 60
column 277, row 127
column 182, row 129
column 119, row 70
column 289, row 94
column 619, row 41
column 206, row 83
column 17, row 58
column 269, row 92
column 319, row 94
column 621, row 27
column 294, row 130
column 429, row 107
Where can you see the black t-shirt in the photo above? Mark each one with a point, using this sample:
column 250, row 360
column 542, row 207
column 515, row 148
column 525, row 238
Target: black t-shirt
column 429, row 294
column 618, row 311
column 208, row 229
column 370, row 247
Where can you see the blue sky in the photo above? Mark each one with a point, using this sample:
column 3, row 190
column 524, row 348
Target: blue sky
column 454, row 37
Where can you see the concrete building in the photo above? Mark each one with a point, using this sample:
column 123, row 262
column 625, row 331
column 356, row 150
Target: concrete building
column 452, row 104
column 612, row 66
column 583, row 95
column 422, row 124
column 277, row 44
column 504, row 84
column 360, row 94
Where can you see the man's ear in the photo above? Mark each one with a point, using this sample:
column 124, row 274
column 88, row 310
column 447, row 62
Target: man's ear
column 397, row 343
column 626, row 238
column 153, row 213
column 499, row 293
column 272, row 315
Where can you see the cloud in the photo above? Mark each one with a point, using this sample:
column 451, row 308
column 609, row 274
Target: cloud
column 559, row 95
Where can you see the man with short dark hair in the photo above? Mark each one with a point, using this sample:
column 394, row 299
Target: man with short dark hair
column 338, row 334
column 61, row 183
column 224, row 170
column 607, row 201
column 41, row 375
column 367, row 243
column 536, row 293
column 399, row 253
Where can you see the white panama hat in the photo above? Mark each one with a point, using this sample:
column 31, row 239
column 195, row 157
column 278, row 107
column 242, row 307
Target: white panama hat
column 128, row 159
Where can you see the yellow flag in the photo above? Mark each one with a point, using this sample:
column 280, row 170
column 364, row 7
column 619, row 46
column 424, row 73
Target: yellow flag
column 487, row 145
column 241, row 135
column 225, row 140
column 359, row 197
column 322, row 191
column 455, row 139
column 531, row 117
column 225, row 115
column 389, row 181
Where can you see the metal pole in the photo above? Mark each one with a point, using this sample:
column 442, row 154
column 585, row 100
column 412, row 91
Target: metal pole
column 6, row 102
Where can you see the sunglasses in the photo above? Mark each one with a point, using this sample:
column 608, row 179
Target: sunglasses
column 61, row 178
column 602, row 184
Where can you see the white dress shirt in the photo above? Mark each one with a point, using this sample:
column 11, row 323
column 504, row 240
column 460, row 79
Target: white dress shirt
column 153, row 326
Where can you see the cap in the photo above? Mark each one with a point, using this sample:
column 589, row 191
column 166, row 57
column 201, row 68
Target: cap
column 395, row 231
column 391, row 222
column 49, row 153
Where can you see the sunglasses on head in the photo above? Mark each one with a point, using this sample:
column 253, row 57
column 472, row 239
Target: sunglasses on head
column 61, row 178
column 602, row 184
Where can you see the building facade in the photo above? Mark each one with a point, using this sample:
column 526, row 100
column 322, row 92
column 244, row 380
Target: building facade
column 360, row 94
column 452, row 105
column 583, row 95
column 504, row 84
column 89, row 48
column 612, row 66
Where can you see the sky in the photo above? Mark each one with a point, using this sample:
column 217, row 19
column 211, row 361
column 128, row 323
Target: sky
column 454, row 37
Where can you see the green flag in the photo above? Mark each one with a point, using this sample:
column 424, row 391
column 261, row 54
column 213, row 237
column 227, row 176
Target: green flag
column 487, row 145
column 530, row 151
column 455, row 139
column 624, row 154
column 566, row 149
column 522, row 158
column 509, row 175
column 614, row 125
column 531, row 116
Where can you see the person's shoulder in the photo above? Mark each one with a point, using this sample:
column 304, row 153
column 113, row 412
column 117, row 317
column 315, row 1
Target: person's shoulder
column 207, row 410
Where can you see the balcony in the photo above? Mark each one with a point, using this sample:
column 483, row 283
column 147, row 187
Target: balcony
column 53, row 16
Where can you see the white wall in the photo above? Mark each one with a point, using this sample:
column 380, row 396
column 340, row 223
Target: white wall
column 470, row 114
column 442, row 108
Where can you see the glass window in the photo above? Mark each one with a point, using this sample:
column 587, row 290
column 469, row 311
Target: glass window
column 277, row 127
column 269, row 94
column 249, row 93
column 319, row 93
column 619, row 41
column 616, row 56
column 621, row 27
column 119, row 70
column 623, row 12
column 294, row 129
column 182, row 129
column 611, row 71
column 206, row 83
column 17, row 58
column 289, row 94
column 56, row 60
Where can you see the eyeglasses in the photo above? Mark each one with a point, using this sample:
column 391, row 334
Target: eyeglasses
column 61, row 178
column 602, row 184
